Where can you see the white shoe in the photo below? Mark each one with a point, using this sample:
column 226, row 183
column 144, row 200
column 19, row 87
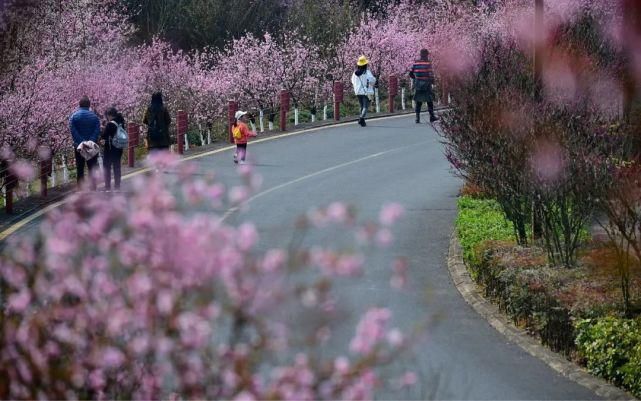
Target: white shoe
column 241, row 162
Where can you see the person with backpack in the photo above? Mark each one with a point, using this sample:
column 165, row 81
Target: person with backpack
column 363, row 82
column 423, row 75
column 241, row 133
column 115, row 141
column 157, row 120
column 84, row 125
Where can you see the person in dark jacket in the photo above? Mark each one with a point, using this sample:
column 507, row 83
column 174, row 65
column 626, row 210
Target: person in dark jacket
column 84, row 125
column 112, row 156
column 423, row 75
column 158, row 120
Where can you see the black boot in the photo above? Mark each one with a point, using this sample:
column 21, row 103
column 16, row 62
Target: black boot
column 418, row 119
column 433, row 118
column 364, row 123
column 361, row 122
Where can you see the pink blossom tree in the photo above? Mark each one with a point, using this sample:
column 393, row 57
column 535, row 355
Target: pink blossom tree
column 250, row 65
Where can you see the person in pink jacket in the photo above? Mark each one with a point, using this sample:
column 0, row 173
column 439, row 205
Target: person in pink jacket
column 241, row 133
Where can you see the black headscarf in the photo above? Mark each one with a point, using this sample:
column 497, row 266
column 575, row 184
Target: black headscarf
column 156, row 102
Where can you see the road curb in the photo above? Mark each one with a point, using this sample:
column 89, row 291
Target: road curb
column 490, row 312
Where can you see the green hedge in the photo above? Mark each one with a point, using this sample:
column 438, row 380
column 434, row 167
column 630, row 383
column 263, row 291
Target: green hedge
column 611, row 348
column 518, row 292
column 478, row 221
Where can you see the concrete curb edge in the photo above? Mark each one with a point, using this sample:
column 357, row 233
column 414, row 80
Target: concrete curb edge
column 490, row 312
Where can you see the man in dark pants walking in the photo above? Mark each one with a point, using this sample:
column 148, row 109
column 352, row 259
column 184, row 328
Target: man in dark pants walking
column 84, row 125
column 423, row 75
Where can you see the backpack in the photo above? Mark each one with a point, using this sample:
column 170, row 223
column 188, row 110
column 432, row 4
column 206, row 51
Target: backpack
column 121, row 139
column 236, row 132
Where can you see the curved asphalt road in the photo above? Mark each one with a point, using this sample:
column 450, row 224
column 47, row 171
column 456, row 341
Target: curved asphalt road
column 396, row 160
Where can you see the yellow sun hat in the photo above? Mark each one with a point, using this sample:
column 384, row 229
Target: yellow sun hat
column 362, row 60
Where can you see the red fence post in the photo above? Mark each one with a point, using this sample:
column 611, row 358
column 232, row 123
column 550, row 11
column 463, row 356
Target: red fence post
column 445, row 99
column 284, row 108
column 338, row 99
column 134, row 138
column 231, row 117
column 10, row 183
column 393, row 91
column 9, row 200
column 182, row 131
column 46, row 167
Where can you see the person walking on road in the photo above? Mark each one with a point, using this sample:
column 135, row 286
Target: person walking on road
column 241, row 133
column 112, row 155
column 84, row 125
column 423, row 75
column 158, row 120
column 364, row 82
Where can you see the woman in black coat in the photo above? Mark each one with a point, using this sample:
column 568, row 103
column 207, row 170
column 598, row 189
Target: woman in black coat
column 157, row 119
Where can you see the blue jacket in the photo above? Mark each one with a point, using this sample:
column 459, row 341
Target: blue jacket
column 84, row 126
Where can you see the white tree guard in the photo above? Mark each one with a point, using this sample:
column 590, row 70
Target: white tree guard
column 65, row 171
column 186, row 142
column 261, row 118
column 295, row 116
column 325, row 111
column 378, row 100
column 403, row 98
column 200, row 131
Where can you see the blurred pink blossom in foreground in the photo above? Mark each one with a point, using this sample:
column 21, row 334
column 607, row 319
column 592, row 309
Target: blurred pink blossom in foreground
column 147, row 303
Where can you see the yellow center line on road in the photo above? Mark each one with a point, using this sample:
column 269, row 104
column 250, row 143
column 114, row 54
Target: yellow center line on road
column 23, row 222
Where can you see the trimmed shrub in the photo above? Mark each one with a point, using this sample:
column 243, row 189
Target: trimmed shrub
column 611, row 348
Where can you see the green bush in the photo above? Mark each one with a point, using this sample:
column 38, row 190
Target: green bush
column 480, row 220
column 519, row 292
column 611, row 348
column 193, row 137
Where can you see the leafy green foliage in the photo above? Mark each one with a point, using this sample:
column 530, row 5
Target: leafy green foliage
column 611, row 347
column 480, row 220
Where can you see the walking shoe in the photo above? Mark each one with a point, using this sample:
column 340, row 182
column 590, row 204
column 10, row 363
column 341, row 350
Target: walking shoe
column 418, row 121
column 364, row 123
column 361, row 121
column 434, row 118
column 241, row 162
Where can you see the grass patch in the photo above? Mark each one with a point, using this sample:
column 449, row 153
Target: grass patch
column 478, row 221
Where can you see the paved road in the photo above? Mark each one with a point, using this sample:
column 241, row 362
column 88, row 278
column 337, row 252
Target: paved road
column 396, row 160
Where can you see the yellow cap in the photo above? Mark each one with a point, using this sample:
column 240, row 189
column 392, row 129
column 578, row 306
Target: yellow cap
column 362, row 60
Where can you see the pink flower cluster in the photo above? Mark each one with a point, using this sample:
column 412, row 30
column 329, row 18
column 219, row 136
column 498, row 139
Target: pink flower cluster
column 134, row 298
